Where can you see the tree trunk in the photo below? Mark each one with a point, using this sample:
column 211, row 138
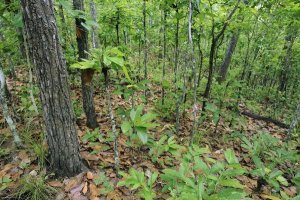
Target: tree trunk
column 164, row 55
column 95, row 40
column 118, row 27
column 86, row 75
column 176, row 45
column 200, row 61
column 145, row 49
column 193, row 66
column 63, row 22
column 227, row 59
column 286, row 64
column 46, row 55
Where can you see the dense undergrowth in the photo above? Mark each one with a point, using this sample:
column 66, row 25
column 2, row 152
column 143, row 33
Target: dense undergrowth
column 236, row 158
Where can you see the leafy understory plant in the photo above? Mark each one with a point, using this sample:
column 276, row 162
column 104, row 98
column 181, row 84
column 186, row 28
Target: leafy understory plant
column 201, row 177
column 272, row 176
column 104, row 181
column 92, row 136
column 4, row 182
column 137, row 180
column 164, row 144
column 259, row 144
column 139, row 124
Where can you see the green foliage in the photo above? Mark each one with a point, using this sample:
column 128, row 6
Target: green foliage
column 215, row 112
column 111, row 57
column 92, row 136
column 34, row 188
column 77, row 108
column 202, row 177
column 259, row 144
column 36, row 144
column 165, row 144
column 26, row 107
column 4, row 152
column 4, row 181
column 102, row 180
column 139, row 124
column 41, row 153
column 137, row 180
column 168, row 109
column 272, row 176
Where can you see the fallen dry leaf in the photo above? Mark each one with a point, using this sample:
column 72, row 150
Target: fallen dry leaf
column 114, row 195
column 77, row 189
column 94, row 191
column 55, row 183
column 85, row 188
column 87, row 156
column 90, row 175
column 73, row 182
column 77, row 196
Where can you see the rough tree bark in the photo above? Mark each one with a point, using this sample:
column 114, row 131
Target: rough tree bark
column 87, row 74
column 46, row 55
column 227, row 59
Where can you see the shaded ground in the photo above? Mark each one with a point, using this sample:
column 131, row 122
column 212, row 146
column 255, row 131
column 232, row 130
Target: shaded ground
column 99, row 154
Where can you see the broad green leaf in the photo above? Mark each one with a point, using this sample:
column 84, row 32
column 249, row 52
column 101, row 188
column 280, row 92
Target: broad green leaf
column 230, row 156
column 148, row 125
column 296, row 179
column 126, row 127
column 148, row 117
column 217, row 167
column 125, row 71
column 211, row 107
column 234, row 172
column 87, row 64
column 231, row 183
column 119, row 61
column 142, row 133
column 134, row 114
column 229, row 193
column 282, row 180
column 216, row 117
column 275, row 173
column 270, row 197
column 152, row 178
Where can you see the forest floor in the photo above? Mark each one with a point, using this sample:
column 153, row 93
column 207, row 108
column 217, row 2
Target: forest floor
column 99, row 155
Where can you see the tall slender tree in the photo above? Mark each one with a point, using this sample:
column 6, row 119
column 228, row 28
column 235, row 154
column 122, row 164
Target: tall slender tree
column 145, row 47
column 193, row 66
column 227, row 58
column 87, row 74
column 215, row 38
column 286, row 63
column 46, row 55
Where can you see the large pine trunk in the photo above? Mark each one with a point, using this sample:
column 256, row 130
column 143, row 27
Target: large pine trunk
column 86, row 75
column 46, row 54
